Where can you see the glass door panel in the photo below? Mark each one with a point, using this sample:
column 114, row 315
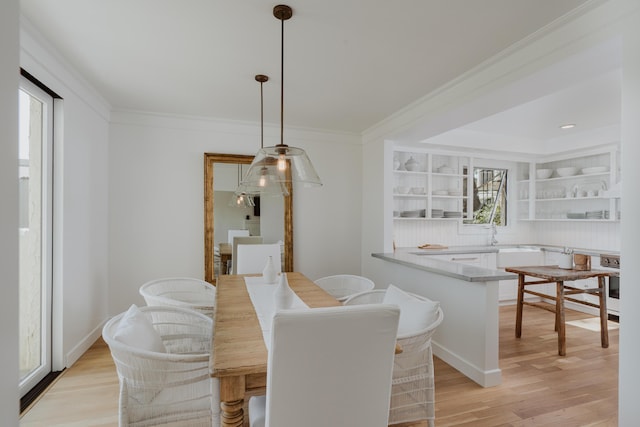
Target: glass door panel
column 35, row 188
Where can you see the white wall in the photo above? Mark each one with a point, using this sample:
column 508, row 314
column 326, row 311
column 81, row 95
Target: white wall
column 156, row 198
column 629, row 371
column 9, row 399
column 597, row 235
column 80, row 207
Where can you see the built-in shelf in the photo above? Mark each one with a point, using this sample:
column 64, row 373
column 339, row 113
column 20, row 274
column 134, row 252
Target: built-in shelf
column 540, row 198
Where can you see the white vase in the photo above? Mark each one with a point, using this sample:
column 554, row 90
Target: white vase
column 283, row 295
column 269, row 273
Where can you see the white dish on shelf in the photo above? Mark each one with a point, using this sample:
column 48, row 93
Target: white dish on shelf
column 402, row 190
column 445, row 169
column 594, row 169
column 576, row 215
column 440, row 193
column 569, row 171
column 452, row 214
column 417, row 190
column 544, row 173
column 420, row 213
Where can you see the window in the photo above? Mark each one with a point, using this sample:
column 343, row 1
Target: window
column 489, row 196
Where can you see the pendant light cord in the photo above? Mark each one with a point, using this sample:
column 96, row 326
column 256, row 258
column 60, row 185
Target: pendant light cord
column 282, row 82
column 261, row 116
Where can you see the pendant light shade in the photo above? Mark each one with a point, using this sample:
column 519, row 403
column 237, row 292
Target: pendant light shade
column 281, row 163
column 241, row 198
column 267, row 182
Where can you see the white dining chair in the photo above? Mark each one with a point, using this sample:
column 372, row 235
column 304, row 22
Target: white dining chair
column 328, row 367
column 162, row 358
column 253, row 258
column 242, row 240
column 413, row 384
column 342, row 286
column 185, row 292
column 233, row 233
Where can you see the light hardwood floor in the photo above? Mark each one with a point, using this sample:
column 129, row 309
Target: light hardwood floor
column 538, row 388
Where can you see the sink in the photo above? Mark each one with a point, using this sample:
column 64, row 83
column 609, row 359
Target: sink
column 518, row 256
column 518, row 249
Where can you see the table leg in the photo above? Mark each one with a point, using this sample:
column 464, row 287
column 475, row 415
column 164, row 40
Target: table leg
column 519, row 305
column 232, row 414
column 562, row 345
column 232, row 401
column 604, row 329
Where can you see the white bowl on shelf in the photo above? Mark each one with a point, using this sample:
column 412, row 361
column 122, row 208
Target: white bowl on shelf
column 544, row 173
column 569, row 171
column 440, row 193
column 417, row 190
column 402, row 190
column 594, row 169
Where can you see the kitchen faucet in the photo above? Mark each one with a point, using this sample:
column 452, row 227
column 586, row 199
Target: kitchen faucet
column 494, row 231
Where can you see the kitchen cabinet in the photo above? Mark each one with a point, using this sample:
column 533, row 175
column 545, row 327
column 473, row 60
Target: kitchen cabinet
column 577, row 187
column 476, row 259
column 427, row 186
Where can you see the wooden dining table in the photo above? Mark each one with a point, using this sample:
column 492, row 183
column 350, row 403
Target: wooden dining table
column 564, row 292
column 239, row 358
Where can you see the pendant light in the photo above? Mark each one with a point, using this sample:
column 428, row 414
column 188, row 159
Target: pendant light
column 291, row 163
column 240, row 198
column 268, row 183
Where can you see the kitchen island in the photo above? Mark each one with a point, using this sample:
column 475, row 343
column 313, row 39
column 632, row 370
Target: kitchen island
column 467, row 338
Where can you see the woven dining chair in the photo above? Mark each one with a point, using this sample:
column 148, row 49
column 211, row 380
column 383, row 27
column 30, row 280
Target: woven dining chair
column 184, row 292
column 162, row 359
column 342, row 286
column 413, row 384
column 328, row 367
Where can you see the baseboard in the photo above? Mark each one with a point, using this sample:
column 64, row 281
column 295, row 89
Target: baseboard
column 488, row 378
column 76, row 352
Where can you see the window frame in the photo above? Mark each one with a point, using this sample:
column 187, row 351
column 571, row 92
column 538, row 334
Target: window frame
column 510, row 166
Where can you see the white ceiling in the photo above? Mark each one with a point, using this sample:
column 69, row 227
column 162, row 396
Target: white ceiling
column 348, row 63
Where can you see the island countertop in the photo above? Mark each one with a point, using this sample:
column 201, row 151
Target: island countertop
column 468, row 273
column 470, row 249
column 420, row 259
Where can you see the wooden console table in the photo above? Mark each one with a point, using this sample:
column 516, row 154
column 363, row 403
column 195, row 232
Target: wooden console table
column 551, row 274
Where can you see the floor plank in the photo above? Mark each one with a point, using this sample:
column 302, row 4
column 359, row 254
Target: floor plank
column 539, row 387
